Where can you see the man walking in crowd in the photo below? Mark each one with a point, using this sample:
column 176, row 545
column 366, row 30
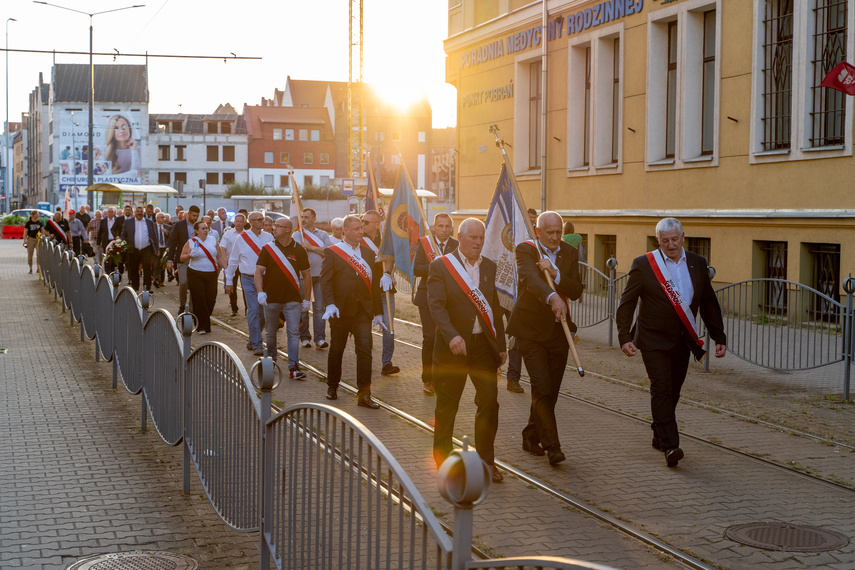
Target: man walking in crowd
column 33, row 227
column 514, row 356
column 673, row 286
column 110, row 228
column 213, row 233
column 543, row 347
column 442, row 228
column 57, row 228
column 176, row 218
column 350, row 288
column 335, row 224
column 470, row 341
column 149, row 213
column 244, row 257
column 141, row 235
column 281, row 267
column 162, row 238
column 76, row 231
column 83, row 215
column 228, row 243
column 220, row 223
column 181, row 232
column 315, row 242
column 92, row 235
column 371, row 239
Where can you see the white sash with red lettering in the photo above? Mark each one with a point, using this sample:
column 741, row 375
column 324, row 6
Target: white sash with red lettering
column 657, row 262
column 59, row 230
column 250, row 238
column 208, row 253
column 311, row 239
column 542, row 255
column 370, row 245
column 427, row 244
column 470, row 289
column 359, row 265
column 283, row 263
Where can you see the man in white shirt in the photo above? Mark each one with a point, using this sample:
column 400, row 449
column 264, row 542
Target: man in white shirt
column 336, row 236
column 244, row 257
column 141, row 236
column 227, row 243
column 315, row 242
column 162, row 236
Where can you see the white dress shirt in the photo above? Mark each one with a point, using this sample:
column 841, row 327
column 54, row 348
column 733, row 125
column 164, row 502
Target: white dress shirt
column 141, row 240
column 243, row 257
column 474, row 271
column 680, row 275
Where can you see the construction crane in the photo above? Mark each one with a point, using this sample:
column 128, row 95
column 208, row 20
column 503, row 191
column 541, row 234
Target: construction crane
column 355, row 106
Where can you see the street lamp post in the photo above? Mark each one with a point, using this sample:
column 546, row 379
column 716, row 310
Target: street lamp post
column 90, row 198
column 6, row 130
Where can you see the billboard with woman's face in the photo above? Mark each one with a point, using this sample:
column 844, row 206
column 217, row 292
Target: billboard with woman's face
column 116, row 151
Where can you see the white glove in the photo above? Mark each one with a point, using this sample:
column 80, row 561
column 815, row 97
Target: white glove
column 331, row 312
column 306, row 305
column 262, row 299
column 378, row 322
column 386, row 282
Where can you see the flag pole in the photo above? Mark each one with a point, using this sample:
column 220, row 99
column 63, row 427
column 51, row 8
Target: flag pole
column 385, row 267
column 500, row 142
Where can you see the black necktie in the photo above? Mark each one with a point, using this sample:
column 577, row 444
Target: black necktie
column 442, row 249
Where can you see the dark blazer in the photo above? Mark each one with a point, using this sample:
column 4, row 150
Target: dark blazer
column 421, row 267
column 342, row 286
column 179, row 235
column 454, row 314
column 658, row 326
column 531, row 312
column 129, row 228
column 105, row 237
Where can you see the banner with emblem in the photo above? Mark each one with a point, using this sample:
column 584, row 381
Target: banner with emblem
column 506, row 227
column 403, row 226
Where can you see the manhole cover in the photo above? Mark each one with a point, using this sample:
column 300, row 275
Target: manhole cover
column 786, row 537
column 137, row 560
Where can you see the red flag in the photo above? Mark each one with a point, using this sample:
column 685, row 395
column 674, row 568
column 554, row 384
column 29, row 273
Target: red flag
column 841, row 78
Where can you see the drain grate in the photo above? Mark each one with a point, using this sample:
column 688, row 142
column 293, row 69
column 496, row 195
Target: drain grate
column 786, row 537
column 137, row 560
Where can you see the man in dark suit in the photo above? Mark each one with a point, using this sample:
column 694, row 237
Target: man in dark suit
column 141, row 235
column 470, row 341
column 181, row 233
column 543, row 347
column 350, row 288
column 664, row 331
column 110, row 229
column 159, row 263
column 442, row 228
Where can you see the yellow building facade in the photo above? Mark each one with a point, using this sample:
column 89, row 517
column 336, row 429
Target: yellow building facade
column 705, row 110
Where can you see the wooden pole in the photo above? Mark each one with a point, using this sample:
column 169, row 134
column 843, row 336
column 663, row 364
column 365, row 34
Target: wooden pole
column 501, row 144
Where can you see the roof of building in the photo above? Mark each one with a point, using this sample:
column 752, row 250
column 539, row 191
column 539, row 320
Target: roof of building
column 196, row 124
column 257, row 115
column 113, row 83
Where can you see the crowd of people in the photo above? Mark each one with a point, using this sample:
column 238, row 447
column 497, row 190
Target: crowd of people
column 343, row 279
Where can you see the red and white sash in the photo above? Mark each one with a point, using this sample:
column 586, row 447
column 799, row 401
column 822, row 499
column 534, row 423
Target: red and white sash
column 208, row 253
column 311, row 239
column 473, row 293
column 543, row 255
column 249, row 238
column 284, row 264
column 427, row 244
column 58, row 230
column 684, row 311
column 369, row 243
column 359, row 265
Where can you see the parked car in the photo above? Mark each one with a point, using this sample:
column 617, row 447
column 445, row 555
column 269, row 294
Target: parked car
column 25, row 213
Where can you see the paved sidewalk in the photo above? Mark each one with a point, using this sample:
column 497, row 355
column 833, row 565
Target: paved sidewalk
column 77, row 476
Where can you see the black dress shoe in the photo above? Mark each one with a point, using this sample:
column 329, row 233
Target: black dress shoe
column 555, row 455
column 673, row 456
column 332, row 393
column 367, row 402
column 515, row 387
column 496, row 475
column 533, row 448
column 656, row 445
column 389, row 369
column 249, row 346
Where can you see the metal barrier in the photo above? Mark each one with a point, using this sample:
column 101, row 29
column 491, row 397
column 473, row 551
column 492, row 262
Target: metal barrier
column 313, row 480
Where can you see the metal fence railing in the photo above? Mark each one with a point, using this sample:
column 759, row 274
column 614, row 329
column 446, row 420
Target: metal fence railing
column 320, row 488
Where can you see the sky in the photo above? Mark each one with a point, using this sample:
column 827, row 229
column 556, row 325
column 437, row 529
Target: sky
column 402, row 46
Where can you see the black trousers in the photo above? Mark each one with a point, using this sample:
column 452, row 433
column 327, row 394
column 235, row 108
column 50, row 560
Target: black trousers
column 203, row 293
column 76, row 243
column 667, row 372
column 428, row 338
column 134, row 259
column 545, row 362
column 360, row 327
column 449, row 380
column 159, row 264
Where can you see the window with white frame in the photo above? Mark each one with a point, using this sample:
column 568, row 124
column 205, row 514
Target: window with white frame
column 289, row 134
column 594, row 102
column 684, row 43
column 535, row 102
column 798, row 43
column 316, row 135
column 277, row 134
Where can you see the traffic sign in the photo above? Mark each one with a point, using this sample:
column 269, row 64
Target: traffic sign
column 347, row 186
